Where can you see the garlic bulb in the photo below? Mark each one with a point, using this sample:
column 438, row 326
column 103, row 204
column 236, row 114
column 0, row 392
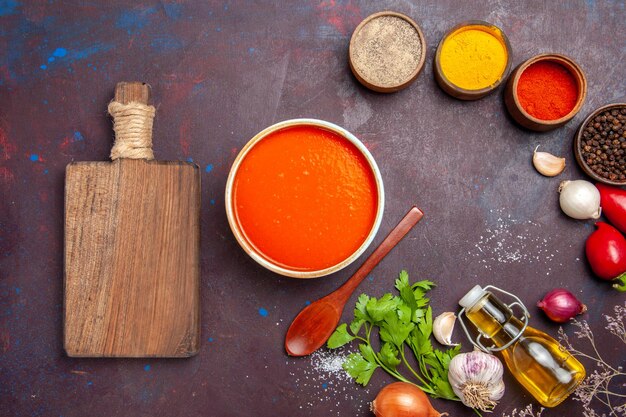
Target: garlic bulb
column 548, row 164
column 476, row 378
column 443, row 327
column 580, row 199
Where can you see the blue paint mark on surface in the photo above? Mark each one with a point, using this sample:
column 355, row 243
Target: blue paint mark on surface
column 173, row 10
column 218, row 29
column 34, row 157
column 370, row 279
column 209, row 168
column 263, row 312
column 86, row 52
column 189, row 159
column 7, row 7
column 78, row 136
column 59, row 52
column 197, row 87
column 45, row 171
column 226, row 7
column 89, row 383
column 75, row 55
column 251, row 50
column 45, row 102
column 210, row 339
column 145, row 395
column 166, row 43
column 324, row 385
column 18, row 290
column 307, row 302
column 212, row 201
column 134, row 20
column 146, row 368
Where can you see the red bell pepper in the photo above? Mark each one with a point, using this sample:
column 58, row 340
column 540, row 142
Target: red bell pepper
column 613, row 202
column 606, row 253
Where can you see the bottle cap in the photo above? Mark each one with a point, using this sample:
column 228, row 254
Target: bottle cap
column 471, row 297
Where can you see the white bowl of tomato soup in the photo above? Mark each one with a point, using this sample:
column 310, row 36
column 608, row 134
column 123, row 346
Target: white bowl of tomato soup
column 304, row 198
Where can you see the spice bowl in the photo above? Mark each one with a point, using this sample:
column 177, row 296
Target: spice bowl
column 589, row 139
column 304, row 198
column 387, row 51
column 542, row 84
column 456, row 67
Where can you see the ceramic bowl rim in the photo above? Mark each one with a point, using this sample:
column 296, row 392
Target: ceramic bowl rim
column 578, row 145
column 483, row 91
column 230, row 212
column 573, row 69
column 369, row 83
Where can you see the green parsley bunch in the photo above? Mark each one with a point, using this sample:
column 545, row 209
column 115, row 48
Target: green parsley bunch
column 404, row 322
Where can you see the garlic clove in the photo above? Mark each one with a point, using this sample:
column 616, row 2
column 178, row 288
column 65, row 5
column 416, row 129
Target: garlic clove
column 443, row 327
column 547, row 164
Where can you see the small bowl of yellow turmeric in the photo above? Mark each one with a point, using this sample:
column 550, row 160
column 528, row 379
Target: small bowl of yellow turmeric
column 472, row 60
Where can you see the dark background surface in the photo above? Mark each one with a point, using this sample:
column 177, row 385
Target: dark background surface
column 222, row 72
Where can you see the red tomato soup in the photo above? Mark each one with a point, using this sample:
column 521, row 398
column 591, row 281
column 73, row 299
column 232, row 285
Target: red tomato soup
column 305, row 198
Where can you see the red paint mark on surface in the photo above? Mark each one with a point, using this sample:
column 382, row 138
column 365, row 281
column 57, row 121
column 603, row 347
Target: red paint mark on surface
column 67, row 141
column 5, row 341
column 72, row 144
column 6, row 148
column 184, row 136
column 233, row 151
column 43, row 196
column 43, row 228
column 343, row 17
column 6, row 176
column 178, row 92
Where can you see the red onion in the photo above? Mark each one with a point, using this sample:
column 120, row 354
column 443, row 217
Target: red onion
column 561, row 305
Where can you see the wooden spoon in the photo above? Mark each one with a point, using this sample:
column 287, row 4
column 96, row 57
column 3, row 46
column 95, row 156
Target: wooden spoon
column 316, row 322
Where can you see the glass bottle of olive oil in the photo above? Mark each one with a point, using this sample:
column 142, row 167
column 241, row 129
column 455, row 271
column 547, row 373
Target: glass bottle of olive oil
column 548, row 371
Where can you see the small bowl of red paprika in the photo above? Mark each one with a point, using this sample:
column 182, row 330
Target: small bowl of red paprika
column 545, row 92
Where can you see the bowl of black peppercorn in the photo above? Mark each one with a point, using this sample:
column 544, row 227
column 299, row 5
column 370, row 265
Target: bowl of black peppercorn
column 600, row 144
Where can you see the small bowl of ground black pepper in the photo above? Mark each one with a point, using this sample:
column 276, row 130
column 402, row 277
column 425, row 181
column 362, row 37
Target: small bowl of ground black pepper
column 387, row 52
column 600, row 144
column 545, row 92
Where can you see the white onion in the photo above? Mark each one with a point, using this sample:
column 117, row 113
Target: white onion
column 580, row 199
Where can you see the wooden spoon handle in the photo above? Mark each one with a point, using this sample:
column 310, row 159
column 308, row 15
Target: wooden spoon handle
column 408, row 221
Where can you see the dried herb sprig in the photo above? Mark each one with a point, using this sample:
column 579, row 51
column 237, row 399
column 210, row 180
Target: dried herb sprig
column 525, row 412
column 598, row 386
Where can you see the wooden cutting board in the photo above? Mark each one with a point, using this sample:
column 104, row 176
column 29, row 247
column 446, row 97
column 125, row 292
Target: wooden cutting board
column 132, row 254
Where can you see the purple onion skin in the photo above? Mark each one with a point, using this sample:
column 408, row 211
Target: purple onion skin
column 561, row 305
